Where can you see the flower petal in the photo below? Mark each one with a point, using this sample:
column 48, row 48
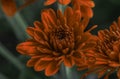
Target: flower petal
column 33, row 61
column 40, row 65
column 87, row 3
column 49, row 2
column 86, row 11
column 52, row 68
column 27, row 48
column 69, row 61
column 9, row 7
column 30, row 31
column 64, row 2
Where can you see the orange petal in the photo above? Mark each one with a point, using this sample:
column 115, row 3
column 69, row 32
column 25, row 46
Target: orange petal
column 87, row 3
column 68, row 61
column 118, row 73
column 30, row 31
column 49, row 2
column 44, row 50
column 68, row 13
column 64, row 2
column 61, row 17
column 38, row 25
column 86, row 11
column 32, row 61
column 27, row 48
column 52, row 68
column 9, row 7
column 119, row 21
column 51, row 17
column 40, row 65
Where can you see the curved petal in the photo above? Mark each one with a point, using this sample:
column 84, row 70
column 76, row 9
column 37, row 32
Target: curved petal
column 118, row 73
column 64, row 2
column 9, row 7
column 49, row 2
column 87, row 3
column 41, row 65
column 38, row 25
column 30, row 31
column 33, row 61
column 40, row 35
column 49, row 19
column 52, row 68
column 68, row 13
column 27, row 48
column 86, row 11
column 69, row 61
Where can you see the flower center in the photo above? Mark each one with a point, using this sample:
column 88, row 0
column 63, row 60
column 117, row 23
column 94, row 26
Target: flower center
column 61, row 34
column 62, row 38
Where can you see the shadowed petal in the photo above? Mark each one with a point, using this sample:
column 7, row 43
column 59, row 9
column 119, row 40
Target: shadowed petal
column 9, row 7
column 49, row 2
column 30, row 31
column 52, row 68
column 68, row 61
column 33, row 61
column 41, row 65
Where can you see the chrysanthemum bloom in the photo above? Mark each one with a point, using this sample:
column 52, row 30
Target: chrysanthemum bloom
column 9, row 7
column 106, row 56
column 58, row 38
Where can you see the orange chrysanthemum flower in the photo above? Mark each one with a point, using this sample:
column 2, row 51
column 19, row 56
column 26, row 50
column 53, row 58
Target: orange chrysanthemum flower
column 9, row 7
column 84, row 6
column 106, row 55
column 58, row 38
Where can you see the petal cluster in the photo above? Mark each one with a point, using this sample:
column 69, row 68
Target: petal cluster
column 106, row 55
column 84, row 6
column 59, row 38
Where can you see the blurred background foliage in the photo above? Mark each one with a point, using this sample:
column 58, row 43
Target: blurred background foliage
column 12, row 32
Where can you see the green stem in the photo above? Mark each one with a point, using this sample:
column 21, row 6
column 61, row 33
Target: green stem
column 2, row 76
column 8, row 55
column 19, row 26
column 61, row 7
column 68, row 73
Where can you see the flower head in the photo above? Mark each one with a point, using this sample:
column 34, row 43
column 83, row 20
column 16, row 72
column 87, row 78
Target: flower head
column 106, row 55
column 58, row 38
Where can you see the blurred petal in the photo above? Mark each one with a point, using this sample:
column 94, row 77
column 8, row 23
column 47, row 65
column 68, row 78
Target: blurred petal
column 52, row 68
column 9, row 7
column 41, row 65
column 64, row 2
column 33, row 61
column 68, row 61
column 49, row 2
